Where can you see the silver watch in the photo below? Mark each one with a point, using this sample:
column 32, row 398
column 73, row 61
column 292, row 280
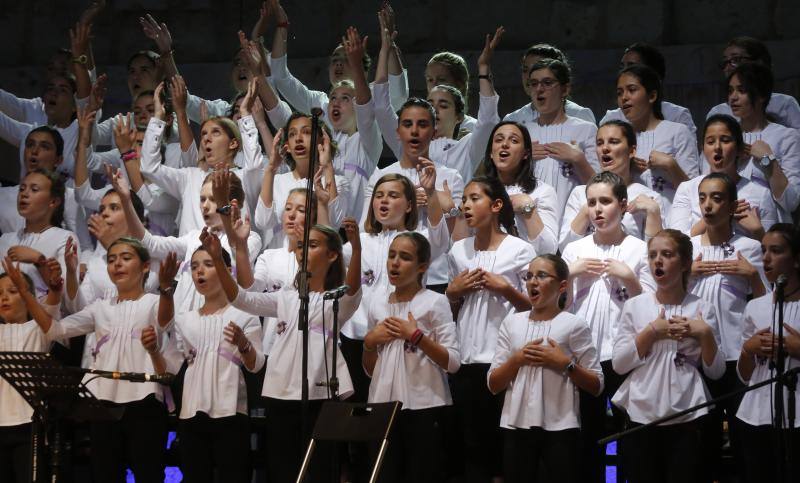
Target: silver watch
column 528, row 208
column 452, row 212
column 767, row 160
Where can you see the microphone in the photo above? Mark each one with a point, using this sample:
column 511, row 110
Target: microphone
column 316, row 112
column 166, row 378
column 781, row 281
column 336, row 293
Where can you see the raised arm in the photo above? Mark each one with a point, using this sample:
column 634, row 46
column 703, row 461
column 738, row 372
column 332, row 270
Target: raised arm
column 79, row 43
column 85, row 126
column 179, row 94
column 159, row 33
column 353, row 278
column 135, row 226
column 39, row 314
column 167, row 271
column 213, row 246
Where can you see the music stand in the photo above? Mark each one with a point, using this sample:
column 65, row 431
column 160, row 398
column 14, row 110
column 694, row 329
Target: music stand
column 350, row 423
column 54, row 392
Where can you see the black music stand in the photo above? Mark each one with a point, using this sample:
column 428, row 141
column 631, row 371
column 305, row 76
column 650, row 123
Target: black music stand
column 54, row 392
column 353, row 422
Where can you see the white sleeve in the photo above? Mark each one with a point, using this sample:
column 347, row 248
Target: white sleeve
column 566, row 235
column 790, row 114
column 337, row 208
column 503, row 347
column 103, row 134
column 583, row 349
column 588, row 144
column 264, row 304
column 748, row 330
column 767, row 211
column 279, row 116
column 386, row 117
column 89, row 197
column 96, row 161
column 685, row 118
column 13, row 132
column 444, row 332
column 161, row 246
column 790, row 164
column 642, row 270
column 156, row 200
column 250, row 146
column 439, row 238
column 680, row 214
column 487, row 119
column 171, row 180
column 625, row 355
column 252, row 329
column 79, row 323
column 265, row 218
column 369, row 135
column 547, row 240
column 398, row 89
column 295, row 92
column 686, row 151
column 16, row 107
column 717, row 368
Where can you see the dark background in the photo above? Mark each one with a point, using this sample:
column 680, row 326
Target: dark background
column 692, row 34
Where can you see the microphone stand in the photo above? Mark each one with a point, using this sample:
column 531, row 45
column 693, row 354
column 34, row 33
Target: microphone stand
column 784, row 383
column 304, row 274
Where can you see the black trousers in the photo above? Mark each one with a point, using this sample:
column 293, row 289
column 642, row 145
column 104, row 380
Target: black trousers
column 138, row 441
column 665, row 454
column 760, row 448
column 415, row 451
column 15, row 451
column 215, row 444
column 595, row 425
column 526, row 449
column 713, row 432
column 286, row 443
column 479, row 418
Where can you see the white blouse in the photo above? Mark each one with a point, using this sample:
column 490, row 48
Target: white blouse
column 214, row 383
column 672, row 112
column 782, row 107
column 25, row 337
column 403, row 372
column 633, row 224
column 437, row 272
column 118, row 329
column 283, row 379
column 482, row 311
column 276, row 269
column 785, row 144
column 540, row 397
column 374, row 277
column 686, row 205
column 758, row 406
column 599, row 300
column 528, row 114
column 558, row 174
column 675, row 140
column 727, row 293
column 667, row 380
column 51, row 243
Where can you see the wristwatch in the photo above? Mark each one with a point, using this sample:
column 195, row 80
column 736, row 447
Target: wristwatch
column 766, row 160
column 570, row 367
column 452, row 212
column 528, row 208
column 81, row 59
column 224, row 210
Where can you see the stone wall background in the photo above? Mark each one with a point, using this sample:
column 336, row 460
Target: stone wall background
column 691, row 34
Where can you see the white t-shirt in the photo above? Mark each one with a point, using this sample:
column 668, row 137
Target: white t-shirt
column 599, row 300
column 667, row 380
column 483, row 311
column 541, row 397
column 403, row 372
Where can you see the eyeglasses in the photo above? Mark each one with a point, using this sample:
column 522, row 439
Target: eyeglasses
column 540, row 276
column 734, row 61
column 547, row 84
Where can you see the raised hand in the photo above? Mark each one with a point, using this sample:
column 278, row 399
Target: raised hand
column 446, row 198
column 23, row 254
column 355, row 47
column 178, row 93
column 159, row 111
column 71, row 256
column 211, row 244
column 15, row 275
column 118, row 182
column 86, row 120
column 321, row 191
column 251, row 54
column 387, row 29
column 260, row 28
column 100, row 230
column 98, row 93
column 240, row 224
column 235, row 335
column 157, row 32
column 125, row 133
column 91, row 12
column 50, row 271
column 168, row 270
column 246, row 106
column 351, row 231
column 276, row 153
column 427, row 174
column 491, row 43
column 324, row 150
column 749, row 220
column 149, row 339
column 79, row 38
column 221, row 186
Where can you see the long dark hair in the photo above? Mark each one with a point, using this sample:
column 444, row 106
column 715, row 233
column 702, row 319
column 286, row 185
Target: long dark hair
column 495, row 190
column 650, row 81
column 336, row 272
column 524, row 176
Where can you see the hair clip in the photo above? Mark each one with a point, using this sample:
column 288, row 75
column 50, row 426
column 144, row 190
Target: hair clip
column 622, row 294
column 727, row 248
column 368, row 278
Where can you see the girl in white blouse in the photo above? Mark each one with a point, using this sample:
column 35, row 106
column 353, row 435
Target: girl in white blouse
column 218, row 342
column 486, row 284
column 563, row 146
column 40, row 201
column 781, row 247
column 723, row 146
column 774, row 148
column 606, row 268
column 408, row 351
column 666, row 151
column 283, row 380
column 139, row 438
column 541, row 360
column 664, row 340
column 20, row 333
column 509, row 157
column 726, row 270
column 647, row 210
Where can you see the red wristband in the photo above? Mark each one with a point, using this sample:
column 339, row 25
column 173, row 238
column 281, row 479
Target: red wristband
column 416, row 337
column 129, row 155
column 283, row 25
